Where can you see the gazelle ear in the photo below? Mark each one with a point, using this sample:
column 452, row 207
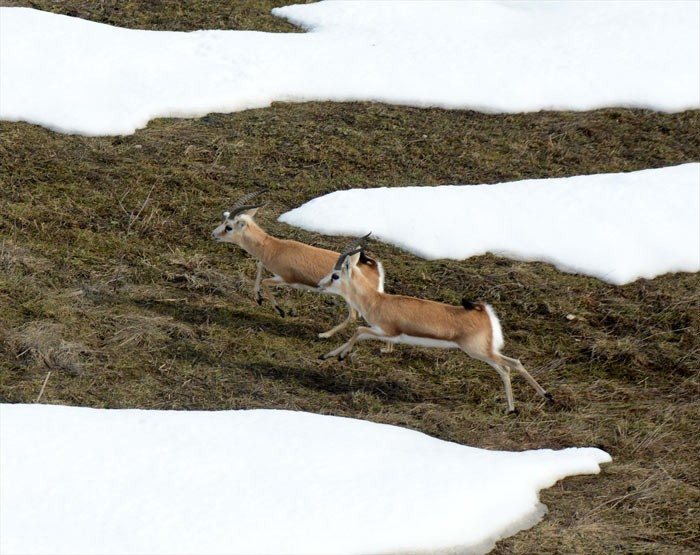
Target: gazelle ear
column 351, row 262
column 354, row 258
column 252, row 211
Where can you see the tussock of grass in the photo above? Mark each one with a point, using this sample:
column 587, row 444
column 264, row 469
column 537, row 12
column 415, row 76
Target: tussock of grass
column 197, row 274
column 148, row 332
column 14, row 257
column 41, row 344
column 107, row 271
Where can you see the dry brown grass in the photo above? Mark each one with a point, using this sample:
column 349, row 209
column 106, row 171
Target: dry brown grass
column 107, row 272
column 42, row 344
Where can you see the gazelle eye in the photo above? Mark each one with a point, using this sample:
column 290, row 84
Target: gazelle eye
column 335, row 276
column 229, row 228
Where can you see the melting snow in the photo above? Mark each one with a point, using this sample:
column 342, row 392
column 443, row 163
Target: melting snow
column 94, row 481
column 617, row 227
column 78, row 76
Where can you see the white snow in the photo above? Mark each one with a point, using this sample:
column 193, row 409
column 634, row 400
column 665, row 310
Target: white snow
column 94, row 481
column 79, row 480
column 617, row 227
column 83, row 77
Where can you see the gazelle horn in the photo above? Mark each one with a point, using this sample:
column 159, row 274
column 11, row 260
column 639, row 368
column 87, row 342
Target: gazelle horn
column 351, row 249
column 240, row 205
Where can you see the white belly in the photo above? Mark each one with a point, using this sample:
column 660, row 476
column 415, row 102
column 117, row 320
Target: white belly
column 423, row 341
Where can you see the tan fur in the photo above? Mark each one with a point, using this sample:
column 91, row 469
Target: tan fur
column 402, row 319
column 400, row 314
column 293, row 264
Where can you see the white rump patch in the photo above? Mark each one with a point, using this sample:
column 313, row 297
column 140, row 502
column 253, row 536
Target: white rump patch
column 380, row 269
column 497, row 333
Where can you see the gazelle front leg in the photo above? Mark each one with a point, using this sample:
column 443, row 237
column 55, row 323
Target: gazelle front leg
column 352, row 315
column 258, row 279
column 265, row 284
column 361, row 333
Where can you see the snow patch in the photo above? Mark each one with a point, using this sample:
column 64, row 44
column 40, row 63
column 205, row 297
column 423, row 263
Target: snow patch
column 79, row 480
column 77, row 76
column 617, row 227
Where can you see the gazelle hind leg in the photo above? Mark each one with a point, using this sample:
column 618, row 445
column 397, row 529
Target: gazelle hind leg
column 360, row 334
column 504, row 373
column 501, row 368
column 352, row 315
column 516, row 365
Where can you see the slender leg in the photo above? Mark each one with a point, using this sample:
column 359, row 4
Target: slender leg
column 499, row 366
column 360, row 334
column 352, row 315
column 258, row 279
column 504, row 373
column 265, row 284
column 515, row 364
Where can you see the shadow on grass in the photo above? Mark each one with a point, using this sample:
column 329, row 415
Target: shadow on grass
column 337, row 380
column 226, row 317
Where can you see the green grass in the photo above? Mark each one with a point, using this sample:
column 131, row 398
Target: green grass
column 109, row 281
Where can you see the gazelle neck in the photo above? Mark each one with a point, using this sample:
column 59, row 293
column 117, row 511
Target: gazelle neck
column 362, row 295
column 255, row 241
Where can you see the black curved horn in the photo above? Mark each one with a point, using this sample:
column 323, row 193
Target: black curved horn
column 351, row 249
column 241, row 206
column 235, row 211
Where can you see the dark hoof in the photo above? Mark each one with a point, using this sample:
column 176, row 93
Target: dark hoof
column 259, row 300
column 280, row 311
column 322, row 357
column 514, row 412
column 549, row 397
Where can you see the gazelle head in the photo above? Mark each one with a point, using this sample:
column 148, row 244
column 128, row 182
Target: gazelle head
column 339, row 279
column 237, row 219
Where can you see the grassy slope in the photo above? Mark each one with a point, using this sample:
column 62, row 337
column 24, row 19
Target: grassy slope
column 108, row 280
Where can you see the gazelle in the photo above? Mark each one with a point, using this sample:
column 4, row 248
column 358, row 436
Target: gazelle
column 293, row 264
column 473, row 327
